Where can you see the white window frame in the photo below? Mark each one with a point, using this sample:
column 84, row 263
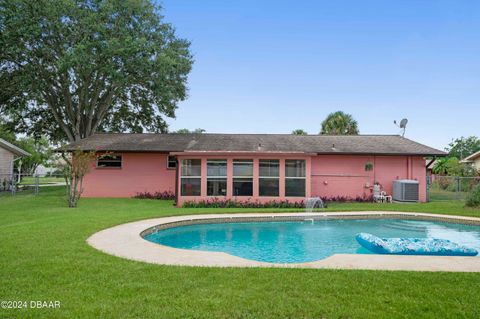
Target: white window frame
column 295, row 177
column 189, row 176
column 242, row 177
column 269, row 177
column 218, row 177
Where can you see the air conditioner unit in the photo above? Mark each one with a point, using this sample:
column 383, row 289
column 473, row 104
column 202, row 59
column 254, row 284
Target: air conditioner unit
column 405, row 190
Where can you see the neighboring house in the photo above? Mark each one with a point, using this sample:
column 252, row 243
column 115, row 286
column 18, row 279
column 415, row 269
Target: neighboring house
column 42, row 170
column 254, row 167
column 8, row 153
column 474, row 160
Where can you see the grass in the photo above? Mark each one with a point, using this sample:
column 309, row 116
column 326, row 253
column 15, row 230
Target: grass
column 438, row 194
column 42, row 180
column 44, row 257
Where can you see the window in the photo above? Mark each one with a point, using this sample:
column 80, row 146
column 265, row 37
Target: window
column 171, row 162
column 190, row 176
column 109, row 161
column 295, row 178
column 268, row 179
column 217, row 177
column 243, row 177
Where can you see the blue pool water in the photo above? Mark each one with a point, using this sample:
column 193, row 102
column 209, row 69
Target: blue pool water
column 302, row 241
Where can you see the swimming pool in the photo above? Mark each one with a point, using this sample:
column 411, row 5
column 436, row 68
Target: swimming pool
column 304, row 241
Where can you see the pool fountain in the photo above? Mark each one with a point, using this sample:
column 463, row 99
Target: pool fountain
column 312, row 203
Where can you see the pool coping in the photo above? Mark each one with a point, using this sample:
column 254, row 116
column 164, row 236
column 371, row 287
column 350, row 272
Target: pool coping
column 126, row 241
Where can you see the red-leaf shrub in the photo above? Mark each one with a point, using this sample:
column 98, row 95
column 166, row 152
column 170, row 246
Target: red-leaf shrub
column 166, row 195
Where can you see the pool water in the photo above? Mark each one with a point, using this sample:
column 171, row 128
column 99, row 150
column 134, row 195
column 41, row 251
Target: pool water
column 304, row 241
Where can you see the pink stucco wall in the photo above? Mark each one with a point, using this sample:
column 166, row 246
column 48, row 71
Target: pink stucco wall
column 344, row 175
column 140, row 172
column 326, row 175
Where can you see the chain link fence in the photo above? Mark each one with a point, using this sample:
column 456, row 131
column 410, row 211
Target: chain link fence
column 14, row 184
column 447, row 188
column 439, row 188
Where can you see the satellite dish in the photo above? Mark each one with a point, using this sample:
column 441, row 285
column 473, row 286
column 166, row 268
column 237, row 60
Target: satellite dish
column 403, row 125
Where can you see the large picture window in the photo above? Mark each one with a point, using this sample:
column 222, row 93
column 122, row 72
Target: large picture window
column 243, row 177
column 295, row 178
column 269, row 178
column 217, row 177
column 191, row 176
column 109, row 161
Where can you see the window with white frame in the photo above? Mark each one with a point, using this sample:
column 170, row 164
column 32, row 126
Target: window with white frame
column 190, row 177
column 243, row 177
column 217, row 177
column 295, row 178
column 109, row 161
column 268, row 180
column 171, row 162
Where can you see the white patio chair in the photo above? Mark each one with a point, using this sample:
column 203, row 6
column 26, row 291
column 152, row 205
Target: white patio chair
column 386, row 198
column 378, row 197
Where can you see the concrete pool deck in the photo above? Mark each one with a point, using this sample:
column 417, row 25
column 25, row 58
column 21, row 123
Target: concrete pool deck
column 126, row 241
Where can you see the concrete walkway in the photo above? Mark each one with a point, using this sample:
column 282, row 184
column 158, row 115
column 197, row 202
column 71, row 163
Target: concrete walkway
column 125, row 241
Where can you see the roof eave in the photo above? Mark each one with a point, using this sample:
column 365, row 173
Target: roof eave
column 471, row 158
column 13, row 149
column 383, row 154
column 200, row 153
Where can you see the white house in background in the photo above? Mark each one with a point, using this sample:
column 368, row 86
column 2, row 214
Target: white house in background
column 8, row 154
column 473, row 159
column 42, row 170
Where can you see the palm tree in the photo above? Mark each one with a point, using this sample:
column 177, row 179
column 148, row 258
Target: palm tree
column 339, row 123
column 299, row 131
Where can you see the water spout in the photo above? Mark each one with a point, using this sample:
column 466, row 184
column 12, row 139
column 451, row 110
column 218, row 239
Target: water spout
column 309, row 220
column 312, row 203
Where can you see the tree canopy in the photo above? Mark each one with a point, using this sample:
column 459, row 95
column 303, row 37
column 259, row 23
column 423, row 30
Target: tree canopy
column 339, row 123
column 40, row 153
column 69, row 68
column 463, row 147
column 299, row 131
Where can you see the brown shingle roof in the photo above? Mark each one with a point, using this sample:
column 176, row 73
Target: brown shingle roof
column 321, row 144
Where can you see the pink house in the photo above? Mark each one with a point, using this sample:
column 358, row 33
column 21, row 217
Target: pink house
column 252, row 167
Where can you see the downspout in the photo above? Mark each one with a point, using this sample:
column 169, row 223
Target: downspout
column 176, row 181
column 408, row 167
column 19, row 168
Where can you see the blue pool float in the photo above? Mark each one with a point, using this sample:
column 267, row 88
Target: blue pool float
column 413, row 246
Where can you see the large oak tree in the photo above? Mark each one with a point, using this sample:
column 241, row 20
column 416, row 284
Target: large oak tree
column 69, row 68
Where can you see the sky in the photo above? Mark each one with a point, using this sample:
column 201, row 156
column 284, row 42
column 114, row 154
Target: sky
column 276, row 66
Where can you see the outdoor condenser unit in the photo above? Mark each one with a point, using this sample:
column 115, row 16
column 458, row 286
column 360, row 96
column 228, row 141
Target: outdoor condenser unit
column 405, row 190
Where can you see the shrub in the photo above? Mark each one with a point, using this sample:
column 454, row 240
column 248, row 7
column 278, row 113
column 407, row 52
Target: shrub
column 473, row 199
column 230, row 203
column 442, row 183
column 166, row 195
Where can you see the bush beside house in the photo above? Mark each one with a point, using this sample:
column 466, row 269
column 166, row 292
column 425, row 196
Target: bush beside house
column 473, row 199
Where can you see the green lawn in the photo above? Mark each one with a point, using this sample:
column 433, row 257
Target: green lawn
column 438, row 194
column 42, row 180
column 43, row 256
